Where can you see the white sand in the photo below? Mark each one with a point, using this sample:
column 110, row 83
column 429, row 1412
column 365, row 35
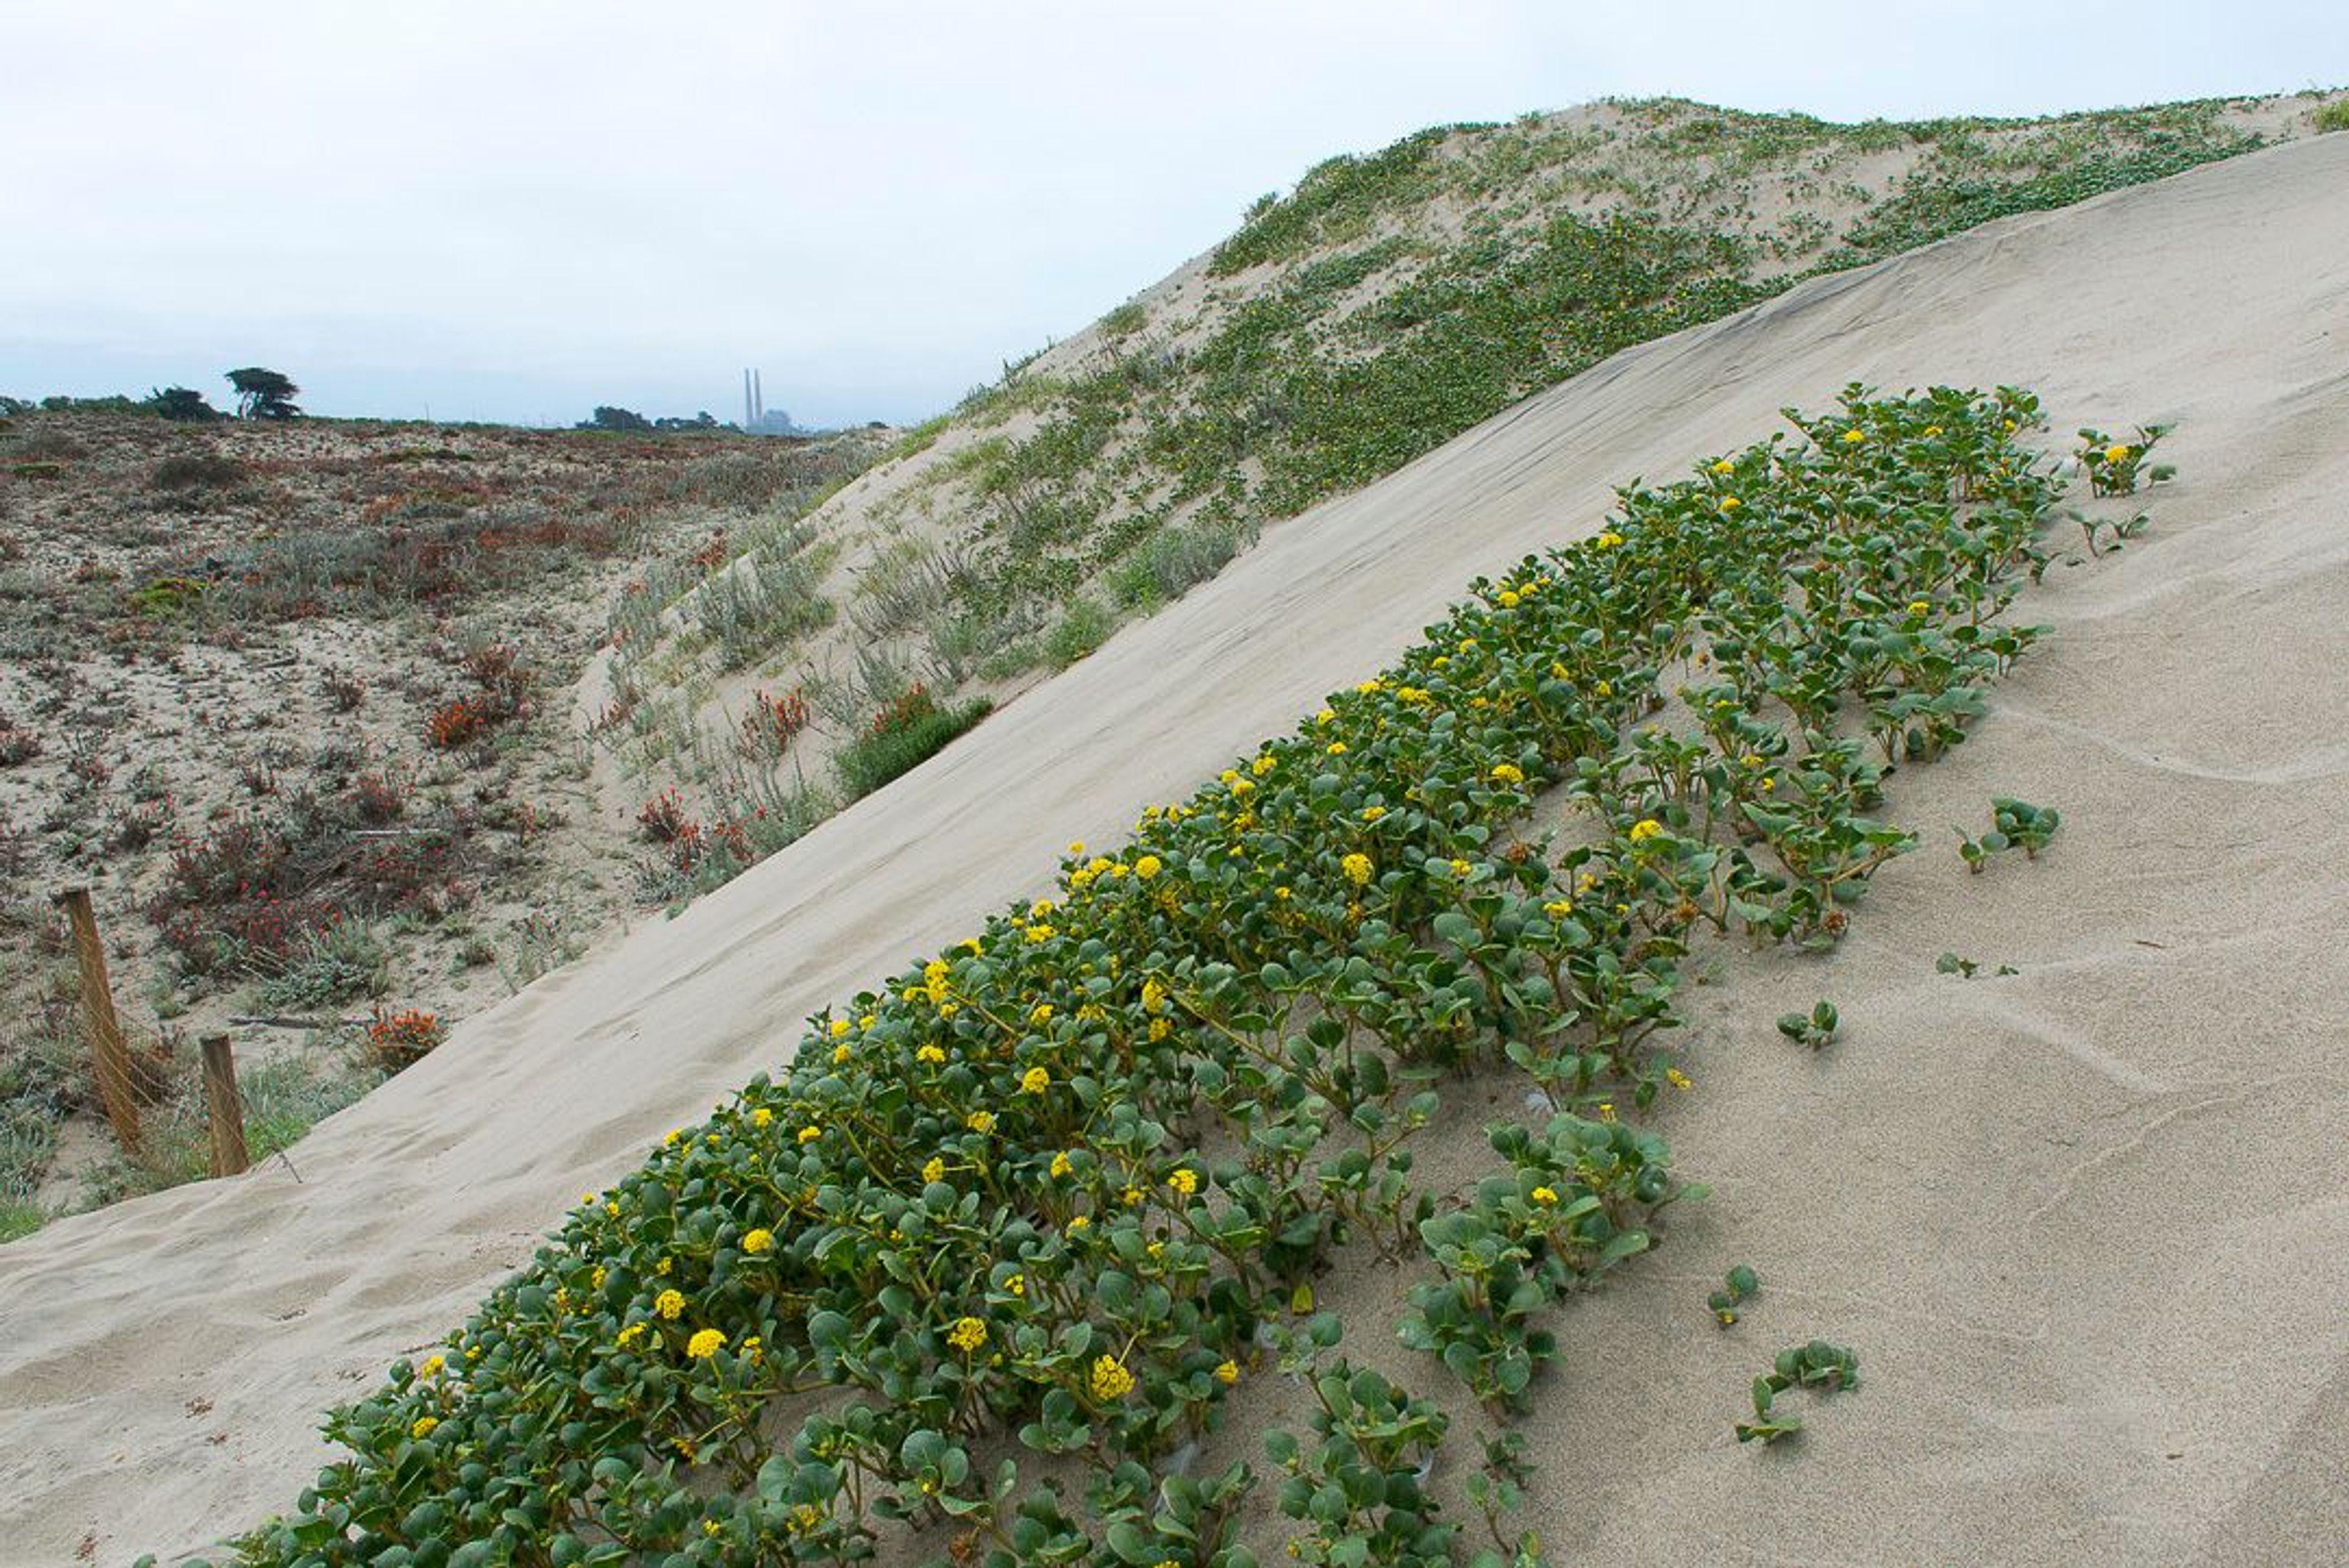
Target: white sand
column 2086, row 1226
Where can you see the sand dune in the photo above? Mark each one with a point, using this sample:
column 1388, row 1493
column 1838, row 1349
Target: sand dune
column 2087, row 1224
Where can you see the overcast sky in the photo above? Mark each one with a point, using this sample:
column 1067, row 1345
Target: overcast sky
column 504, row 209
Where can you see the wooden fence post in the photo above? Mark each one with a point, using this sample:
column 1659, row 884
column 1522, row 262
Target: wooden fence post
column 227, row 1111
column 104, row 1029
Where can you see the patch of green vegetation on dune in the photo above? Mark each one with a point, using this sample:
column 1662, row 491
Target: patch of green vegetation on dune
column 1394, row 299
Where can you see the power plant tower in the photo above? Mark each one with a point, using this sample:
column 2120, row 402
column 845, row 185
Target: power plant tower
column 749, row 417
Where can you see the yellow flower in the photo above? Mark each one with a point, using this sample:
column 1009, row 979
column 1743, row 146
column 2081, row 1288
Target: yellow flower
column 1061, row 1166
column 705, row 1344
column 1645, row 829
column 1185, row 1181
column 1228, row 1372
column 1357, row 869
column 1606, row 1110
column 1081, row 1222
column 1148, row 866
column 1678, row 1079
column 840, row 1056
column 431, row 1368
column 839, row 1027
column 1035, row 1081
column 1508, row 773
column 1932, row 430
column 1507, row 599
column 612, row 1208
column 981, row 1121
column 2117, row 453
column 670, row 1141
column 1244, row 787
column 424, row 1426
column 1133, row 1196
column 1462, row 869
column 936, row 1171
column 1017, row 1285
column 1325, row 716
column 1161, row 1028
column 1264, row 764
column 1153, row 996
column 596, row 1280
column 1077, row 847
column 1371, row 687
column 1724, row 467
column 1853, row 437
column 1372, row 813
column 1558, row 909
column 810, row 1133
column 968, row 1334
column 669, row 1304
column 1040, row 934
column 1544, row 1196
column 1729, row 503
column 1041, row 1013
column 758, row 1241
column 1111, row 1380
column 1336, row 748
column 866, row 1022
column 1608, row 540
column 630, row 1336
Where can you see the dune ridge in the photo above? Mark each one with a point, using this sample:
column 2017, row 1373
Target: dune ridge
column 1984, row 1166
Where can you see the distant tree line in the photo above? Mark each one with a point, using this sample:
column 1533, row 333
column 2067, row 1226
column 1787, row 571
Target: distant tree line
column 607, row 418
column 261, row 394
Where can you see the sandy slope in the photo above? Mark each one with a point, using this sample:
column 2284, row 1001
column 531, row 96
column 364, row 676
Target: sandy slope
column 2086, row 1225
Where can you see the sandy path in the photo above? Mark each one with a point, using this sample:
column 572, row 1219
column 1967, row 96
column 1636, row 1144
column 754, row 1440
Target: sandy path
column 2086, row 1225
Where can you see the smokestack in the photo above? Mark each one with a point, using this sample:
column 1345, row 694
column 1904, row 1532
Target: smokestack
column 759, row 395
column 746, row 400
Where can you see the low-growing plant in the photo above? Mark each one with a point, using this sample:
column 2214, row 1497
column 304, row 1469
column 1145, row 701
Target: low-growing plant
column 1739, row 1285
column 2113, row 467
column 1815, row 1028
column 2015, row 825
column 1359, row 1488
column 1828, row 1369
column 1579, row 1198
column 1967, row 968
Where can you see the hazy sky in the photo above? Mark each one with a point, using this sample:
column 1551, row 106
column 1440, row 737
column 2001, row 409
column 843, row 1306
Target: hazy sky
column 515, row 211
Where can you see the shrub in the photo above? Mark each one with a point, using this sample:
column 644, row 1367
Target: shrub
column 401, row 1040
column 2333, row 116
column 1171, row 563
column 1083, row 628
column 903, row 736
column 456, row 723
column 184, row 471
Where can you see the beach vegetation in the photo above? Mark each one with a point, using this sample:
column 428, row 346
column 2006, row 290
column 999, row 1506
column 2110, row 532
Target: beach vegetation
column 978, row 1268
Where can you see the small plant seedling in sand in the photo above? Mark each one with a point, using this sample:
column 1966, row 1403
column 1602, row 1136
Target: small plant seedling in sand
column 2121, row 529
column 1818, row 1365
column 1967, row 968
column 2015, row 825
column 2115, row 467
column 1740, row 1285
column 1815, row 1028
